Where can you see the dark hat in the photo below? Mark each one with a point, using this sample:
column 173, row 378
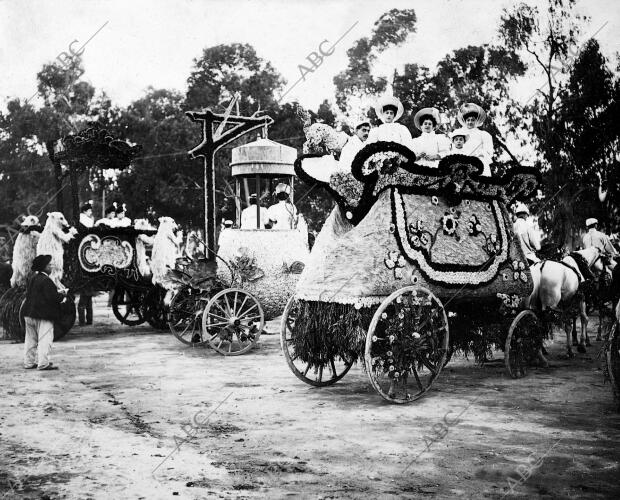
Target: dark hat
column 110, row 209
column 86, row 206
column 40, row 261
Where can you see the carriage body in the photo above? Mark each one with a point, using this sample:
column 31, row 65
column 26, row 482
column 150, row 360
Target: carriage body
column 409, row 251
column 115, row 259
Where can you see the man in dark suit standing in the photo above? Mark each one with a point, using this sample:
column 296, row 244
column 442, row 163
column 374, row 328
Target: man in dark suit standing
column 41, row 310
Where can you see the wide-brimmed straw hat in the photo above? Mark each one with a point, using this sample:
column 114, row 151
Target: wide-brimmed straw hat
column 389, row 100
column 40, row 261
column 469, row 108
column 432, row 112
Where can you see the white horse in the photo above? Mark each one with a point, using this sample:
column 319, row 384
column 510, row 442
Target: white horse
column 557, row 283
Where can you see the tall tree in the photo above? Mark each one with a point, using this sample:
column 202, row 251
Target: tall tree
column 223, row 70
column 356, row 82
column 29, row 133
column 548, row 38
column 163, row 179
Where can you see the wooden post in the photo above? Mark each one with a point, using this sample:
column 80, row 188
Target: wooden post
column 237, row 202
column 75, row 203
column 258, row 196
column 210, row 144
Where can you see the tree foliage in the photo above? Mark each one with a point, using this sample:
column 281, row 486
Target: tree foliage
column 391, row 30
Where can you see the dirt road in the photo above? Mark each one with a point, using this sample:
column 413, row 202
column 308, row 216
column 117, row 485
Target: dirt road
column 116, row 422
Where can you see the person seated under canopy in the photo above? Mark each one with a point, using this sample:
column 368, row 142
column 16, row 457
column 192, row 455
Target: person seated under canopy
column 110, row 217
column 283, row 214
column 248, row 215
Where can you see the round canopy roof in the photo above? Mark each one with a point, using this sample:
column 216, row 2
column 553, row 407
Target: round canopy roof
column 263, row 157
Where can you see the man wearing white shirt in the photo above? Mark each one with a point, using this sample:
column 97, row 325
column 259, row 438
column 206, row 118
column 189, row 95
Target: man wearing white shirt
column 598, row 239
column 248, row 215
column 526, row 233
column 354, row 144
column 283, row 214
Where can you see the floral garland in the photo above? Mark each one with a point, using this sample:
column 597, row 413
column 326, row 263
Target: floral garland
column 448, row 274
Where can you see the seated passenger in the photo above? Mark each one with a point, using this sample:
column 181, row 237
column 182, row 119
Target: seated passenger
column 110, row 217
column 283, row 214
column 121, row 219
column 459, row 138
column 248, row 215
column 86, row 214
column 389, row 109
column 354, row 144
column 429, row 147
column 479, row 143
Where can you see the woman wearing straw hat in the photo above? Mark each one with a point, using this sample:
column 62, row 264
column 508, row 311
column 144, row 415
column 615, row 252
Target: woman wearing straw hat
column 389, row 109
column 429, row 147
column 479, row 143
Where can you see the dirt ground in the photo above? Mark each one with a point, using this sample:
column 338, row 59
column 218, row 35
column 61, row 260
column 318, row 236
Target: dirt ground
column 116, row 422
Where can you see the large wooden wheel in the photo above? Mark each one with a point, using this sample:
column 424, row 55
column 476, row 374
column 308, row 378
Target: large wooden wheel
column 232, row 322
column 127, row 305
column 612, row 357
column 185, row 316
column 406, row 344
column 522, row 343
column 326, row 372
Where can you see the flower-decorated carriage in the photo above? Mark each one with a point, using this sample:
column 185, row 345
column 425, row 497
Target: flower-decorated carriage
column 226, row 305
column 414, row 263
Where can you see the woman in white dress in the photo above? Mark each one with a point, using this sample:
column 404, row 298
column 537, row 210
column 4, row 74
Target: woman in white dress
column 479, row 142
column 429, row 147
column 389, row 109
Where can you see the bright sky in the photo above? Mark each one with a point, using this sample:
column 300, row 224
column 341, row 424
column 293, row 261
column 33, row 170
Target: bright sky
column 153, row 42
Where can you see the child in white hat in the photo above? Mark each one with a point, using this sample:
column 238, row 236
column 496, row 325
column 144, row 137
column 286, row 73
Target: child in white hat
column 459, row 138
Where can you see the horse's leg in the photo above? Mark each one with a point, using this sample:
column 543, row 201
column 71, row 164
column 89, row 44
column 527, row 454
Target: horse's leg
column 583, row 341
column 575, row 341
column 567, row 328
column 600, row 323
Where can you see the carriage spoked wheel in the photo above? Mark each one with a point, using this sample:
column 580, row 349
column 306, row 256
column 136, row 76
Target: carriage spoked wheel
column 407, row 344
column 127, row 305
column 232, row 322
column 185, row 316
column 318, row 374
column 522, row 347
column 612, row 356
